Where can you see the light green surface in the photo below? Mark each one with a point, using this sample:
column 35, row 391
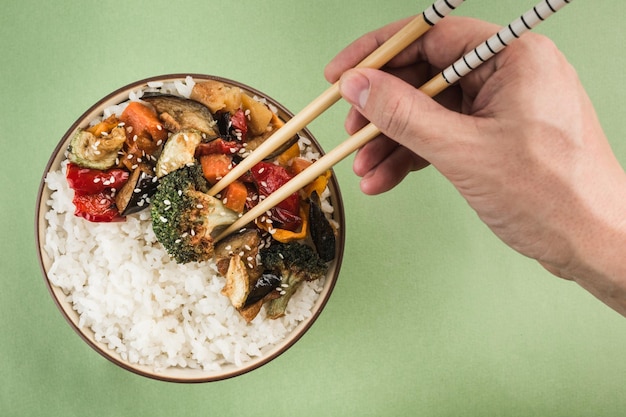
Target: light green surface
column 432, row 315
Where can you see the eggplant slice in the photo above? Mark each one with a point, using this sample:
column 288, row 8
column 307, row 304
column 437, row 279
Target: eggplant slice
column 322, row 232
column 178, row 113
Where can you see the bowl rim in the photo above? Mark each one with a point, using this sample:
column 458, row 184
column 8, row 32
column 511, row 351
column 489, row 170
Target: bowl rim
column 199, row 376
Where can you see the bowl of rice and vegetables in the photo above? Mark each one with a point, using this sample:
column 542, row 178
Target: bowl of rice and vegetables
column 126, row 230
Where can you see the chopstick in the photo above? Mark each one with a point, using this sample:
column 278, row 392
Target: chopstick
column 436, row 85
column 401, row 40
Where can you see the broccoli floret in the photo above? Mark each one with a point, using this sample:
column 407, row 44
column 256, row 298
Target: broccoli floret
column 294, row 263
column 184, row 217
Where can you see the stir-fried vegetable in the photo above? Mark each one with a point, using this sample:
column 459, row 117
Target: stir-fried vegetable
column 166, row 151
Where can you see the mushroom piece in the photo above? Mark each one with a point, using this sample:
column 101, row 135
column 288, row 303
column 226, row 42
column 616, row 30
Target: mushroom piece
column 134, row 196
column 245, row 244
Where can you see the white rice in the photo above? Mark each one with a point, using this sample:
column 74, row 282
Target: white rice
column 142, row 304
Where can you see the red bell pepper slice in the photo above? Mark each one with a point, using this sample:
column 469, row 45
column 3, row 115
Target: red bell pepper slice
column 219, row 146
column 93, row 181
column 96, row 207
column 239, row 122
column 268, row 178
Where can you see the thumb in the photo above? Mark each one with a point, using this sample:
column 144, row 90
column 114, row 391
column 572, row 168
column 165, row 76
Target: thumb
column 402, row 112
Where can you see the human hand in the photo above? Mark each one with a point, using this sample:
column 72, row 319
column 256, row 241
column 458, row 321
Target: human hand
column 518, row 137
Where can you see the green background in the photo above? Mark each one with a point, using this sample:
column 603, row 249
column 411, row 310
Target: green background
column 432, row 314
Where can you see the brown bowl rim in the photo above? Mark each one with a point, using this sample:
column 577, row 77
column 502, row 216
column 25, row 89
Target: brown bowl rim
column 255, row 363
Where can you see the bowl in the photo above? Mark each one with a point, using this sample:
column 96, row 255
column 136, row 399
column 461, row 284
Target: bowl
column 187, row 358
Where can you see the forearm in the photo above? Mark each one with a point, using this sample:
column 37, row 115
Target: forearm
column 598, row 247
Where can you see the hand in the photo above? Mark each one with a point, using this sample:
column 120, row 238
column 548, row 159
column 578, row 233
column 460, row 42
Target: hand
column 518, row 137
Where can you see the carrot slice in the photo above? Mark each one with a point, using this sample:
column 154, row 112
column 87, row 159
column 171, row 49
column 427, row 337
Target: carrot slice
column 235, row 196
column 143, row 121
column 299, row 164
column 215, row 166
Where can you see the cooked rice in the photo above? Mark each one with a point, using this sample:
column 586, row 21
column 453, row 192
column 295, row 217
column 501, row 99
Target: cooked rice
column 143, row 305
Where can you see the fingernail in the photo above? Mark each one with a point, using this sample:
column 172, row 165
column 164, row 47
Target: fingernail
column 355, row 87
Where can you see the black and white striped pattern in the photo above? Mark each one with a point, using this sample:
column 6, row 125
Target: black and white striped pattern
column 500, row 40
column 439, row 10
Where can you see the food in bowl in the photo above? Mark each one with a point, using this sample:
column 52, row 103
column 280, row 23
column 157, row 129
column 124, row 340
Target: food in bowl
column 127, row 237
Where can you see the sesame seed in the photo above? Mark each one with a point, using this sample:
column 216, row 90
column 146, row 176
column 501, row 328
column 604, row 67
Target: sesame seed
column 163, row 219
column 167, row 202
column 261, row 170
column 96, row 180
column 247, row 247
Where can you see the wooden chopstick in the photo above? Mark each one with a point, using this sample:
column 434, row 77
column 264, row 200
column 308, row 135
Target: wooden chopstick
column 437, row 84
column 401, row 40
